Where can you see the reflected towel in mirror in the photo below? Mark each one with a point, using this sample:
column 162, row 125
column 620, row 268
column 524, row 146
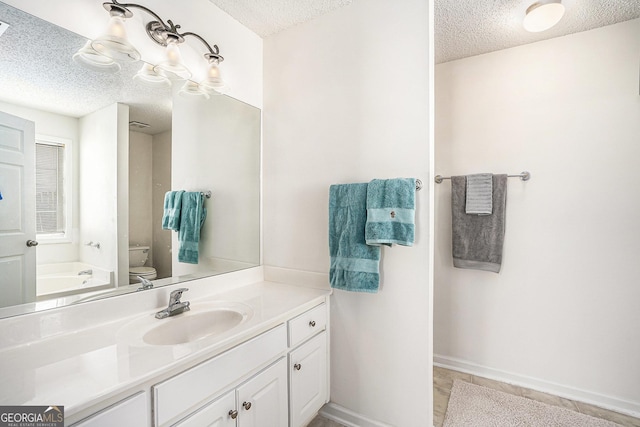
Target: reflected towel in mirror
column 172, row 207
column 192, row 216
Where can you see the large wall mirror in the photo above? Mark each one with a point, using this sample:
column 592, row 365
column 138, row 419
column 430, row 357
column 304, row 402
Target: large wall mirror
column 102, row 152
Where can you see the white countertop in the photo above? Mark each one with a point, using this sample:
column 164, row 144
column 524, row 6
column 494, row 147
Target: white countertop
column 81, row 368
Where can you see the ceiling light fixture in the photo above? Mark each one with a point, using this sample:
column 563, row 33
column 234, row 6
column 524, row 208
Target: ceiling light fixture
column 542, row 15
column 115, row 45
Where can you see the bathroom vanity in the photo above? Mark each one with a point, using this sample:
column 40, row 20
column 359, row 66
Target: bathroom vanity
column 248, row 355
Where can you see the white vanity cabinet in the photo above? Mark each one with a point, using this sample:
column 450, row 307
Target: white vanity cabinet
column 270, row 370
column 191, row 390
column 287, row 393
column 308, row 373
column 260, row 401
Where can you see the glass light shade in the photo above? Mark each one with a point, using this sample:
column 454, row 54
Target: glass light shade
column 114, row 43
column 172, row 66
column 191, row 88
column 542, row 16
column 148, row 76
column 213, row 81
column 89, row 58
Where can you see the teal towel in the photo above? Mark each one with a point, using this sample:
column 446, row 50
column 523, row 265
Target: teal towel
column 171, row 213
column 192, row 217
column 391, row 205
column 355, row 266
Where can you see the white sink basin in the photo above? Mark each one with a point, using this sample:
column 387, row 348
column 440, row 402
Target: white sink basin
column 204, row 320
column 188, row 327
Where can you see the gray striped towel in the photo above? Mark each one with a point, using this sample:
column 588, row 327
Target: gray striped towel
column 479, row 194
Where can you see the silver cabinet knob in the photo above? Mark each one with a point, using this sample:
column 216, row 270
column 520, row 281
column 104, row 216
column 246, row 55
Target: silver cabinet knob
column 233, row 414
column 297, row 366
column 32, row 243
column 312, row 323
column 246, row 405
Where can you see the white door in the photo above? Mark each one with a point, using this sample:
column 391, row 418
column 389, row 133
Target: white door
column 262, row 401
column 17, row 211
column 308, row 377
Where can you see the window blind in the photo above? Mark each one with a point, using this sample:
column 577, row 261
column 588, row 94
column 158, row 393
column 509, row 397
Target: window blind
column 49, row 189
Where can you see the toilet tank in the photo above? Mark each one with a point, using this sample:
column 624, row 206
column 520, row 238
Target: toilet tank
column 138, row 255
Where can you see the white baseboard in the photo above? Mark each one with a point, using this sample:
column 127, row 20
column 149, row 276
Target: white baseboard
column 344, row 416
column 568, row 392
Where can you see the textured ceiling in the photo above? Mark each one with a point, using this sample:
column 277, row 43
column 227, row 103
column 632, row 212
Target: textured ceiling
column 473, row 27
column 267, row 17
column 37, row 71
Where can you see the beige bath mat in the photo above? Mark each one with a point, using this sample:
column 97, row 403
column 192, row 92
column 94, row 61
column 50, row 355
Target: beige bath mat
column 472, row 405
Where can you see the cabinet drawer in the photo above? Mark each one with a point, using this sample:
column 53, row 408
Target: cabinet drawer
column 307, row 325
column 130, row 412
column 188, row 390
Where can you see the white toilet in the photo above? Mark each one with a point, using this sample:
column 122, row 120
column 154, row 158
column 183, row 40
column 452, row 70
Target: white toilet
column 137, row 257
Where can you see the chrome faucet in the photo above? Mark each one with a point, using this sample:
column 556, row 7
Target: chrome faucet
column 175, row 305
column 146, row 283
column 85, row 273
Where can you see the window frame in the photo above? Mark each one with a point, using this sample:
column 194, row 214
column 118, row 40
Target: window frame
column 66, row 237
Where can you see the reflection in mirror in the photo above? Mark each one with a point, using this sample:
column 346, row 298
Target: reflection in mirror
column 103, row 151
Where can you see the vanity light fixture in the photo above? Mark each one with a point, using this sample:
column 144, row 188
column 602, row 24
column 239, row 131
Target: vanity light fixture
column 115, row 45
column 542, row 15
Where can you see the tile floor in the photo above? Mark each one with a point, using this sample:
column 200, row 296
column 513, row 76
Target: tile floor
column 323, row 422
column 443, row 381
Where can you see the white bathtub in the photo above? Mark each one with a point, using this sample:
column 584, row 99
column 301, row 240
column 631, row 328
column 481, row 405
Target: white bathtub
column 61, row 279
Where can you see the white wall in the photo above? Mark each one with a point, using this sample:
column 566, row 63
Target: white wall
column 562, row 314
column 65, row 127
column 104, row 188
column 346, row 100
column 161, row 176
column 140, row 191
column 216, row 147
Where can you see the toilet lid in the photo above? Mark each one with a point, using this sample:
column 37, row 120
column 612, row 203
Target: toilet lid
column 141, row 271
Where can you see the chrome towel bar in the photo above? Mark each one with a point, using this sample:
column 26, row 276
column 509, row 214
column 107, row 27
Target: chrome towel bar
column 525, row 176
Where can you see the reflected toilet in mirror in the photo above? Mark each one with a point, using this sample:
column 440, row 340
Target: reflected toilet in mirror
column 137, row 259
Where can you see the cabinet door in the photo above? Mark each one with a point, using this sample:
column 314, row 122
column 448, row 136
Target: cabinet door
column 219, row 413
column 131, row 412
column 262, row 401
column 308, row 376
